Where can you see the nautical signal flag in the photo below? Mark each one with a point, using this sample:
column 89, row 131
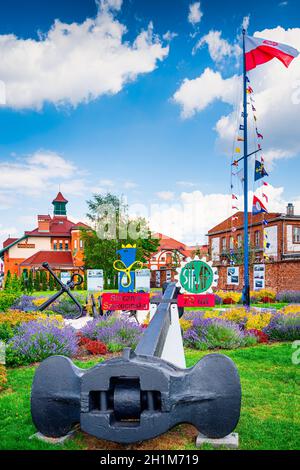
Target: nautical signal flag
column 258, row 207
column 234, row 196
column 260, row 171
column 259, row 51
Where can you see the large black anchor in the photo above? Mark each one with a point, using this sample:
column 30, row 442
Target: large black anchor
column 138, row 396
column 76, row 280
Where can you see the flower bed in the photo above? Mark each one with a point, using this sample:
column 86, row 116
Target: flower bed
column 283, row 328
column 36, row 340
column 215, row 333
column 10, row 320
column 116, row 334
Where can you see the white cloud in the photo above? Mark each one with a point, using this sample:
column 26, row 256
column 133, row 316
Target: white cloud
column 276, row 100
column 195, row 95
column 39, row 172
column 246, row 22
column 218, row 47
column 165, row 195
column 195, row 13
column 195, row 213
column 283, row 4
column 77, row 62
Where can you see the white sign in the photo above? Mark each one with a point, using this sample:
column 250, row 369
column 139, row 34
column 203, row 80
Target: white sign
column 95, row 280
column 259, row 276
column 65, row 277
column 157, row 279
column 142, row 280
column 168, row 276
column 233, row 276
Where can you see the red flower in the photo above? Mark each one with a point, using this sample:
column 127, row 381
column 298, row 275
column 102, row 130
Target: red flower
column 95, row 347
column 260, row 335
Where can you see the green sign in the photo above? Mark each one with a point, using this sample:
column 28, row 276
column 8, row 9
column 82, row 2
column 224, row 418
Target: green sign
column 196, row 277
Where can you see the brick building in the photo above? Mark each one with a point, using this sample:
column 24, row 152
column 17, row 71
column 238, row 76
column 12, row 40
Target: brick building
column 56, row 239
column 170, row 254
column 279, row 241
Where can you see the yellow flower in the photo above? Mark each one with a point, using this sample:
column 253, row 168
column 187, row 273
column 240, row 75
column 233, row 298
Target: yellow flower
column 185, row 324
column 290, row 309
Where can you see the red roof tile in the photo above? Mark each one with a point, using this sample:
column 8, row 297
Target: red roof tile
column 9, row 241
column 59, row 198
column 252, row 219
column 54, row 258
column 59, row 226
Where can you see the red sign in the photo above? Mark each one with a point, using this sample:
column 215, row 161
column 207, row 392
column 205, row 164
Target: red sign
column 124, row 301
column 196, row 300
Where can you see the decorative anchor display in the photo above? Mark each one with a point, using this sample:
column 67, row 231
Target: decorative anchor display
column 125, row 266
column 143, row 394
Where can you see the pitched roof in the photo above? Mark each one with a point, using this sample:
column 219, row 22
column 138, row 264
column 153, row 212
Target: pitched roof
column 168, row 243
column 226, row 225
column 9, row 241
column 59, row 226
column 54, row 258
column 59, row 198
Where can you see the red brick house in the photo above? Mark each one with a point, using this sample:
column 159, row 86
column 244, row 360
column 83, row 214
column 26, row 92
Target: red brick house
column 274, row 247
column 56, row 239
column 171, row 252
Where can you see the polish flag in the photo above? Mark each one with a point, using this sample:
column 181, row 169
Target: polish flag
column 259, row 51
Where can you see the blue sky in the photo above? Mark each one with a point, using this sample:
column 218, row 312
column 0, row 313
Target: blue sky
column 134, row 138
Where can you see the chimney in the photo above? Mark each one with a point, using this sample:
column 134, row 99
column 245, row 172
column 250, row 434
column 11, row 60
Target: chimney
column 290, row 211
column 44, row 223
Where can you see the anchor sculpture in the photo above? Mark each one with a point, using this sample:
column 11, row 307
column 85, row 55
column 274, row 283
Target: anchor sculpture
column 142, row 394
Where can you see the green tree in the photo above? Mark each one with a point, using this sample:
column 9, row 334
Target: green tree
column 7, row 284
column 102, row 242
column 24, row 280
column 44, row 281
column 51, row 283
column 30, row 283
column 15, row 284
column 36, row 282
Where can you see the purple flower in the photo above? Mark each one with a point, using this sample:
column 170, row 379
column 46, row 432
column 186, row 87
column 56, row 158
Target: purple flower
column 37, row 340
column 24, row 303
column 123, row 333
column 283, row 328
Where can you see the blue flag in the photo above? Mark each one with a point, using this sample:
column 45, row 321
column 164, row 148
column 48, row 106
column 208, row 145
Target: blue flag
column 260, row 171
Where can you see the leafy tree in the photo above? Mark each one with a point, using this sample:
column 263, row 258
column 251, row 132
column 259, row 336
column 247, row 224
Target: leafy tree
column 111, row 230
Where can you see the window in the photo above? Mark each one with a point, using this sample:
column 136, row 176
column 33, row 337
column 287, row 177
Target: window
column 75, row 244
column 257, row 239
column 60, row 245
column 239, row 241
column 66, row 245
column 296, row 234
column 224, row 244
column 81, row 243
column 55, row 245
column 231, row 243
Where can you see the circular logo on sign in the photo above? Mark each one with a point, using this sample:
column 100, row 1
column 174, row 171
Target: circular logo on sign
column 197, row 276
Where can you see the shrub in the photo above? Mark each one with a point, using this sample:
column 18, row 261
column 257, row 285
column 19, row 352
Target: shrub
column 236, row 315
column 95, row 347
column 185, row 324
column 288, row 296
column 230, row 297
column 10, row 320
column 264, row 295
column 258, row 320
column 24, row 303
column 290, row 309
column 283, row 328
column 113, row 332
column 260, row 335
column 3, row 378
column 66, row 307
column 36, row 340
column 6, row 300
column 216, row 334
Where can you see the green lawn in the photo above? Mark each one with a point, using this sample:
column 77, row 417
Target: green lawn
column 270, row 417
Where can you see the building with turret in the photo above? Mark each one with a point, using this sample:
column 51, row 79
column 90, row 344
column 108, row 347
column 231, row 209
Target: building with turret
column 56, row 239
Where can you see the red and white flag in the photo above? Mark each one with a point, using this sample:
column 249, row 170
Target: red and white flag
column 259, row 51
